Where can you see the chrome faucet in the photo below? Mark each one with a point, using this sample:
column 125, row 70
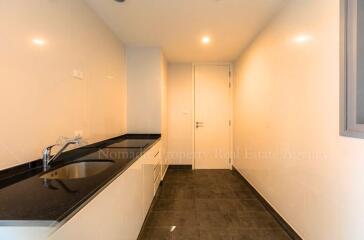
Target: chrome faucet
column 47, row 159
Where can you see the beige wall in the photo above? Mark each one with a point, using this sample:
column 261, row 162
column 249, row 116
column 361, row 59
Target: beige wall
column 145, row 77
column 180, row 113
column 287, row 124
column 40, row 100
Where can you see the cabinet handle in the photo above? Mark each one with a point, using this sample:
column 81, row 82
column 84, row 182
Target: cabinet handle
column 199, row 124
column 156, row 154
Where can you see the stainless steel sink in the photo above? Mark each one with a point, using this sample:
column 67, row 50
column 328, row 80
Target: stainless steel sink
column 78, row 170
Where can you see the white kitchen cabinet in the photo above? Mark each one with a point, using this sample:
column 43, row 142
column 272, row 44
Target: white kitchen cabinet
column 118, row 211
column 148, row 189
column 157, row 171
column 164, row 166
column 151, row 163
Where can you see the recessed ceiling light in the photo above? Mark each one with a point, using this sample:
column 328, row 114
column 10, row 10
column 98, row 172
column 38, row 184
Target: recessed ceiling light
column 302, row 38
column 39, row 41
column 206, row 40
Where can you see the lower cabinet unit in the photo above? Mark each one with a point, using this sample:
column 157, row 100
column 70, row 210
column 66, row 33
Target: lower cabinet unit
column 150, row 163
column 118, row 211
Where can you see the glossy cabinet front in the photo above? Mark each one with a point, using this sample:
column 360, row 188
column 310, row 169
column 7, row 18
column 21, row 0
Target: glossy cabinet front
column 118, row 212
column 151, row 165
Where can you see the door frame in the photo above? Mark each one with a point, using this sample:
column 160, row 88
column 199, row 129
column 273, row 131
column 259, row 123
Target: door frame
column 231, row 107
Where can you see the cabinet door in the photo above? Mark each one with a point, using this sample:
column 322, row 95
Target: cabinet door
column 150, row 160
column 157, row 171
column 114, row 214
column 148, row 188
column 132, row 201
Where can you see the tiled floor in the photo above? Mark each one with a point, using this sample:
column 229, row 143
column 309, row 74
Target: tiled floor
column 208, row 205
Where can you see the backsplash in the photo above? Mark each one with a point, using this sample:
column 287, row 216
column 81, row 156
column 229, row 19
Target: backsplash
column 58, row 77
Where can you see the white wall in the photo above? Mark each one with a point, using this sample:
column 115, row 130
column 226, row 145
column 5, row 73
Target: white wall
column 287, row 124
column 180, row 113
column 145, row 77
column 40, row 100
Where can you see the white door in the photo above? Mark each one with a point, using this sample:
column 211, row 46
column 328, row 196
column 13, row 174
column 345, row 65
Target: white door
column 212, row 116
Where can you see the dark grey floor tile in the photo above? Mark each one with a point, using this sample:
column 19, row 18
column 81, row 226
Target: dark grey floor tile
column 185, row 176
column 155, row 234
column 261, row 234
column 252, row 205
column 257, row 220
column 221, row 205
column 191, row 233
column 178, row 185
column 171, row 233
column 216, row 219
column 248, row 234
column 242, row 234
column 168, row 219
column 177, row 192
column 239, row 186
column 201, row 173
column 174, row 205
column 214, row 192
column 209, row 205
column 245, row 194
column 206, row 182
column 216, row 234
column 276, row 234
column 230, row 205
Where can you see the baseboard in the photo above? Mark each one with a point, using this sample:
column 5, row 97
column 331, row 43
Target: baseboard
column 184, row 167
column 290, row 231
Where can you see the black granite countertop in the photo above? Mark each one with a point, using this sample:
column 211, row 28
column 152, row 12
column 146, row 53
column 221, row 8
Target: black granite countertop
column 24, row 196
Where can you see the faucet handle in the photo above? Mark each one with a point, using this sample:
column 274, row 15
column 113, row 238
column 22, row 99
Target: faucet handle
column 49, row 148
column 66, row 140
column 47, row 151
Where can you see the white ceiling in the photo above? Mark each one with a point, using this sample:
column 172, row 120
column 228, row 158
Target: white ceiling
column 177, row 26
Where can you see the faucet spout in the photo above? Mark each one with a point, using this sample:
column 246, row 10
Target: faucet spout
column 47, row 159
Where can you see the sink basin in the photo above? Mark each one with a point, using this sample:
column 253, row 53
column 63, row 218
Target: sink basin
column 78, row 170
